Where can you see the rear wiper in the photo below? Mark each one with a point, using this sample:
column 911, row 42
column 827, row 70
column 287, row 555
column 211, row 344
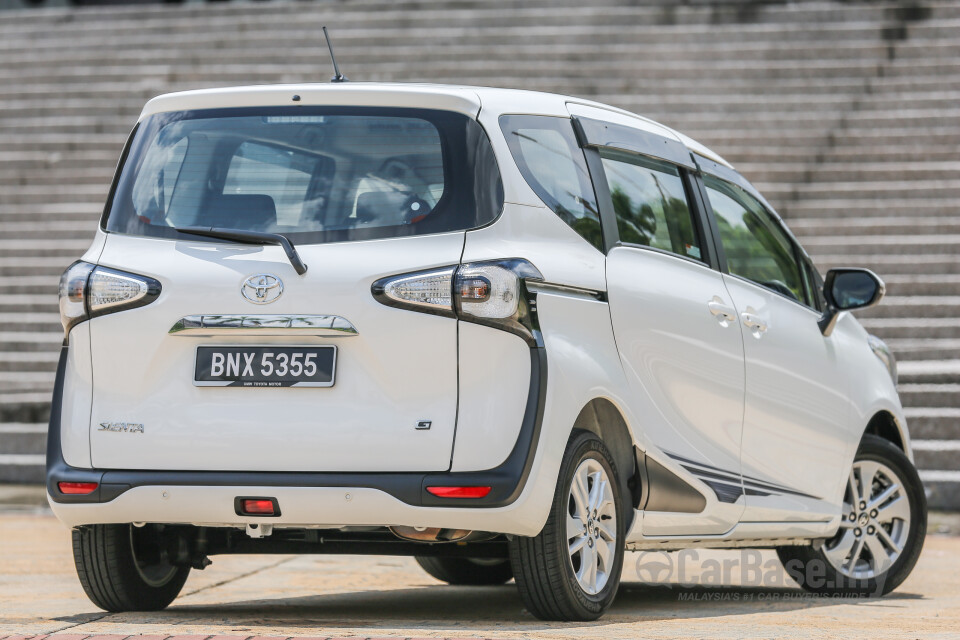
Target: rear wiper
column 251, row 237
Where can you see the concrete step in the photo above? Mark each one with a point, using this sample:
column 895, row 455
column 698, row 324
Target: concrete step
column 29, row 284
column 30, row 341
column 933, row 423
column 29, row 361
column 52, row 230
column 913, row 328
column 48, row 247
column 25, row 407
column 726, row 87
column 894, row 189
column 18, row 438
column 363, row 14
column 939, row 371
column 50, row 194
column 95, row 173
column 926, row 349
column 923, row 285
column 868, row 171
column 887, row 225
column 942, row 488
column 477, row 71
column 854, row 245
column 929, row 395
column 275, row 50
column 53, row 213
column 586, row 27
column 893, row 152
column 915, row 307
column 22, row 468
column 937, row 454
column 867, row 205
column 856, row 135
column 642, row 99
column 905, row 264
column 21, row 266
column 32, row 385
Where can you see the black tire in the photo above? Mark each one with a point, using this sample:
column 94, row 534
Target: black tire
column 542, row 565
column 467, row 571
column 809, row 565
column 111, row 575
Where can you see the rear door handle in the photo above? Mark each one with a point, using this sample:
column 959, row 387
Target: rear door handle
column 723, row 313
column 753, row 322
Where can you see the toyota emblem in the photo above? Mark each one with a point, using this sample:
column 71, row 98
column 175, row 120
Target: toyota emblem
column 262, row 288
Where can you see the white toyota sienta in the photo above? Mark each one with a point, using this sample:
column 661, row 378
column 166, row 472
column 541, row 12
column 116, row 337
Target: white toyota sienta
column 511, row 334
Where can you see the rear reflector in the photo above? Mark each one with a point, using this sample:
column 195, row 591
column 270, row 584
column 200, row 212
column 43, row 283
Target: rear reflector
column 77, row 488
column 459, row 492
column 258, row 507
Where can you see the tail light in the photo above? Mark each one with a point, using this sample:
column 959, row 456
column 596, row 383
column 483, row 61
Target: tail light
column 77, row 488
column 88, row 291
column 492, row 293
column 460, row 492
column 427, row 291
column 262, row 507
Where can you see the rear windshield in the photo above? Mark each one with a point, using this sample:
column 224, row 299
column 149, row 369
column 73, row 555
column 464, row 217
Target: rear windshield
column 313, row 174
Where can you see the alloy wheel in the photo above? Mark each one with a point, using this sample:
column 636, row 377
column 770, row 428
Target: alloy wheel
column 875, row 524
column 591, row 526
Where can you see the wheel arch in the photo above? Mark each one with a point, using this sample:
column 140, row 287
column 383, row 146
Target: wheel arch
column 885, row 425
column 603, row 418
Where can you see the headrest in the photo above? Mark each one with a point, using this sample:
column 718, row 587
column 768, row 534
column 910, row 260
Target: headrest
column 248, row 212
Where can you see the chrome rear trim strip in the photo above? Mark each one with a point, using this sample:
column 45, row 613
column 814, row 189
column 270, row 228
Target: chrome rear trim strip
column 550, row 287
column 263, row 325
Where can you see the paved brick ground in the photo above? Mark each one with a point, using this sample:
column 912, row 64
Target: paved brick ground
column 279, row 597
column 116, row 636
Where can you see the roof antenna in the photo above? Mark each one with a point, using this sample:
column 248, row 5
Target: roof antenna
column 337, row 76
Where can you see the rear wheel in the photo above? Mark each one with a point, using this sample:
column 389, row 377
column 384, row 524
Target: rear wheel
column 571, row 570
column 881, row 533
column 125, row 568
column 467, row 571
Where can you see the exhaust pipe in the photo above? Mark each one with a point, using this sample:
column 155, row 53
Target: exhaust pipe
column 430, row 534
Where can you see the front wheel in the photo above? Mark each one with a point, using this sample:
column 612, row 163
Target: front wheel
column 881, row 533
column 125, row 568
column 571, row 570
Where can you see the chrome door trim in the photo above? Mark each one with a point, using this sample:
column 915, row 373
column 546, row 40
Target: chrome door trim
column 263, row 325
column 551, row 287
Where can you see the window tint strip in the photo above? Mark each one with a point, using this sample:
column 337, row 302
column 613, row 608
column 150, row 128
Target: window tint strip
column 605, row 134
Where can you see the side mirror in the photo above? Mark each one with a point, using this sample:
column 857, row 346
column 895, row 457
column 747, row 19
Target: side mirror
column 847, row 289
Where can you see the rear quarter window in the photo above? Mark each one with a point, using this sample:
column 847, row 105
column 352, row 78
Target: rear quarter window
column 552, row 163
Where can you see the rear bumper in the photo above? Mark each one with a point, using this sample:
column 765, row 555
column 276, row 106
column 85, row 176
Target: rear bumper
column 321, row 507
column 314, row 498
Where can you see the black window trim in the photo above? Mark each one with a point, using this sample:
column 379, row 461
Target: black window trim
column 799, row 255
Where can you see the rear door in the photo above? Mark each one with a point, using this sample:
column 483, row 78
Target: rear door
column 363, row 196
column 679, row 343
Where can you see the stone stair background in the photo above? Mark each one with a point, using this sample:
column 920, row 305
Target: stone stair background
column 843, row 113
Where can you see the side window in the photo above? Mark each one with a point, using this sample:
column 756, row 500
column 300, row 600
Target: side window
column 756, row 247
column 550, row 160
column 650, row 203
